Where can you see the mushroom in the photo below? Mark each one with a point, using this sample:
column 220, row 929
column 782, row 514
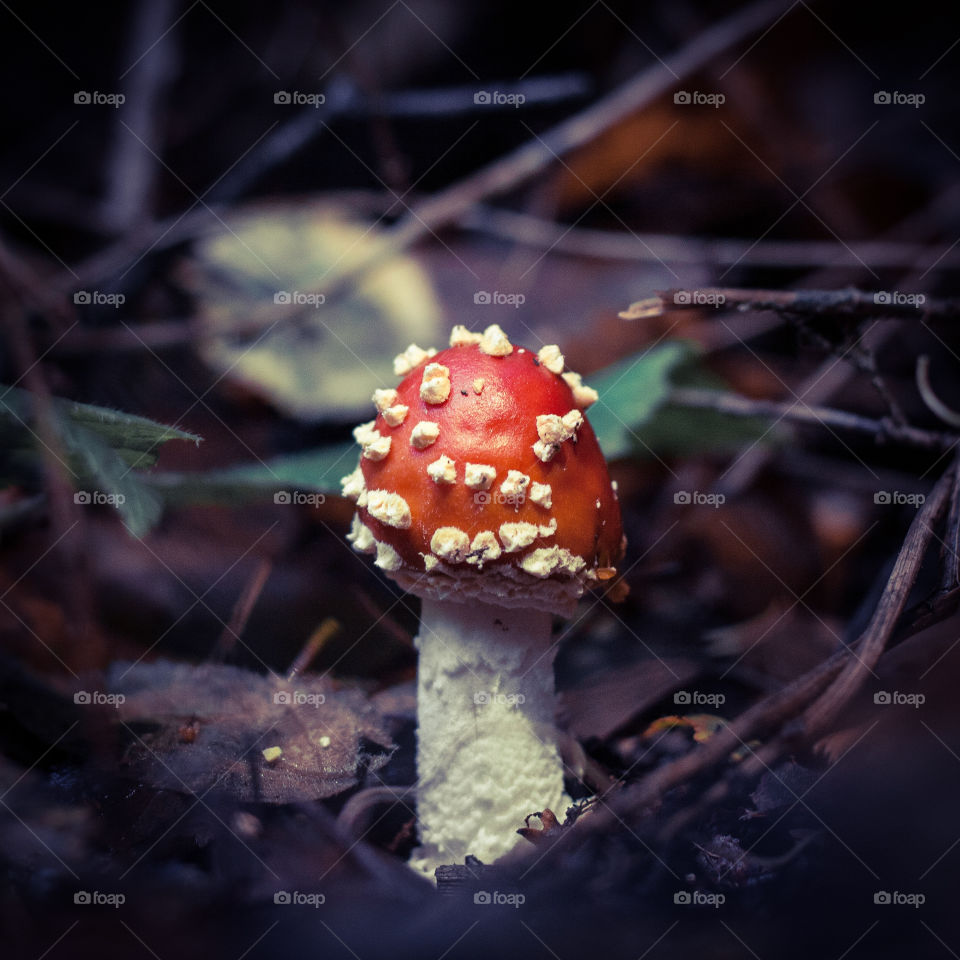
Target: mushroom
column 502, row 519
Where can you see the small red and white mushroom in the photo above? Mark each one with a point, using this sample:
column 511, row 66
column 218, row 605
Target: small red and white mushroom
column 481, row 488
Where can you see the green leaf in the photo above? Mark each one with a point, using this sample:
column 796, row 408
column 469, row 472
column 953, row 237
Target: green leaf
column 135, row 438
column 110, row 475
column 100, row 446
column 634, row 415
column 314, row 471
column 631, row 391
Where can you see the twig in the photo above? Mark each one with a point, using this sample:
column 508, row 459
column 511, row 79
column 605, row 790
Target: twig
column 852, row 303
column 773, row 711
column 312, row 647
column 875, row 638
column 132, row 168
column 242, row 609
column 828, row 686
column 832, row 376
column 451, row 204
column 158, row 335
column 739, row 406
column 950, row 548
column 516, row 168
column 67, row 522
column 537, row 232
column 933, row 402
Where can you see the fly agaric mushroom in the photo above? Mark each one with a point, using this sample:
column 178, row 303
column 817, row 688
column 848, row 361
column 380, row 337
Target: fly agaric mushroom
column 481, row 488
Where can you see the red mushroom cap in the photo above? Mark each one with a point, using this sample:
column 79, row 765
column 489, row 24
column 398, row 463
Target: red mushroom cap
column 480, row 477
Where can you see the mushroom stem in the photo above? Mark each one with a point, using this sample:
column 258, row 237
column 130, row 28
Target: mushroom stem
column 486, row 746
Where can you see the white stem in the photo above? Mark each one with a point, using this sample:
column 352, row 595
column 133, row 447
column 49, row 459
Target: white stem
column 486, row 748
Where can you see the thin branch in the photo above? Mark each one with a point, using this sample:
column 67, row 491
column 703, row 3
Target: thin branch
column 828, row 687
column 132, row 170
column 874, row 640
column 542, row 234
column 933, row 402
column 738, row 406
column 853, row 303
column 242, row 609
column 448, row 206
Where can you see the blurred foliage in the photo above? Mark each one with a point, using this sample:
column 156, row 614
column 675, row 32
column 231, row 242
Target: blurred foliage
column 634, row 415
column 101, row 448
column 266, row 273
column 317, row 471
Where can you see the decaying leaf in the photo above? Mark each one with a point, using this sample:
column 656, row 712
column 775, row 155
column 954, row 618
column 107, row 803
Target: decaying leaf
column 599, row 708
column 704, row 725
column 266, row 273
column 327, row 737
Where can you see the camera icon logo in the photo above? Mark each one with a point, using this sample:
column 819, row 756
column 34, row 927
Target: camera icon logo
column 282, row 296
column 882, row 496
column 682, row 897
column 81, row 497
column 882, row 297
column 81, row 297
column 681, row 697
column 81, row 697
column 281, row 896
column 882, row 897
column 282, row 696
column 681, row 497
column 682, row 297
column 681, row 97
column 481, row 296
column 281, row 496
column 481, row 96
column 481, row 697
column 882, row 697
column 482, row 896
column 282, row 96
column 882, row 96
column 481, row 497
column 82, row 897
column 82, row 96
